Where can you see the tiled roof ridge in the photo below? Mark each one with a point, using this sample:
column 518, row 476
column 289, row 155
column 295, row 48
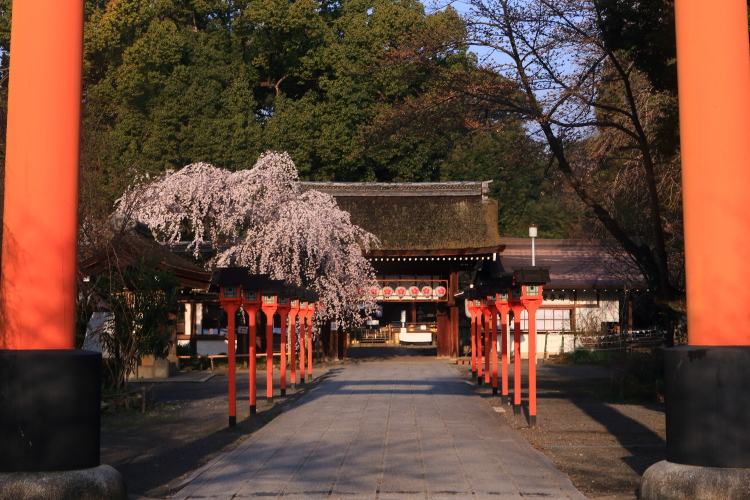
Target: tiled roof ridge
column 451, row 188
column 553, row 242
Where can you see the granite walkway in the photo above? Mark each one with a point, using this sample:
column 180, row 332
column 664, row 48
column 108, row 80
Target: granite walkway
column 385, row 430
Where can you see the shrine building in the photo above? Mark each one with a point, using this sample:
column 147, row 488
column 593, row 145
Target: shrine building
column 433, row 236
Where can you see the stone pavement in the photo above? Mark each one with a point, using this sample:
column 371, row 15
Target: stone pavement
column 385, row 430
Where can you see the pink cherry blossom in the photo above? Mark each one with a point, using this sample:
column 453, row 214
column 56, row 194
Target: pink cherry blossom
column 258, row 218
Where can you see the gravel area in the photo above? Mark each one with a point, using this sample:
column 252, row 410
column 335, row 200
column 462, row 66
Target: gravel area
column 603, row 444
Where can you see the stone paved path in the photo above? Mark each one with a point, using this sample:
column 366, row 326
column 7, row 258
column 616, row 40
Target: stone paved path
column 385, row 430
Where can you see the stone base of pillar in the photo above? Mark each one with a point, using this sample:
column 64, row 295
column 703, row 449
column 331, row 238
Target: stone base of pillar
column 98, row 483
column 707, row 410
column 668, row 481
column 49, row 410
column 706, row 405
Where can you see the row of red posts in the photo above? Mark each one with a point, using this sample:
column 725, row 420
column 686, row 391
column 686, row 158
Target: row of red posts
column 512, row 292
column 257, row 292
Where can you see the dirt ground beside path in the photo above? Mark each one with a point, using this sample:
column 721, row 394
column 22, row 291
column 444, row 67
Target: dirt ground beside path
column 604, row 445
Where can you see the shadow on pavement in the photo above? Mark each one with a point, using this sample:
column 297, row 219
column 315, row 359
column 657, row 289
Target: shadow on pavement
column 391, row 352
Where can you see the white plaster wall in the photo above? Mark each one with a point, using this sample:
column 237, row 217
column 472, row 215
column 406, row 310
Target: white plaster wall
column 589, row 319
column 211, row 347
column 97, row 323
column 188, row 319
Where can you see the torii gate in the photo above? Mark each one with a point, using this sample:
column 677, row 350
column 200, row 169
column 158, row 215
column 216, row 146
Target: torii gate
column 38, row 286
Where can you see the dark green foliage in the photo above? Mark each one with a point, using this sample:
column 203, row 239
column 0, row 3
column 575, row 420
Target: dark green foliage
column 645, row 31
column 170, row 83
column 141, row 300
column 527, row 189
column 583, row 356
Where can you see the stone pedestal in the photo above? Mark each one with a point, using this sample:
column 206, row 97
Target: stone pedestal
column 98, row 483
column 707, row 415
column 49, row 410
column 49, row 427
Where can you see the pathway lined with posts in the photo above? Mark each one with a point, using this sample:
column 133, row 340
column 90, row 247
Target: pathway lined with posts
column 393, row 429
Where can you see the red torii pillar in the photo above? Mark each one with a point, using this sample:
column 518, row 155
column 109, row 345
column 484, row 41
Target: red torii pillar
column 40, row 233
column 38, row 285
column 707, row 408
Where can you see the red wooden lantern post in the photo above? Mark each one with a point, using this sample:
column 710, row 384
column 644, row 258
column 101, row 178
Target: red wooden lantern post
column 302, row 337
column 269, row 306
column 309, row 345
column 491, row 307
column 501, row 304
column 487, row 312
column 514, row 302
column 293, row 313
column 472, row 309
column 252, row 293
column 478, row 338
column 482, row 360
column 311, row 311
column 231, row 300
column 283, row 309
column 532, row 280
column 532, row 299
column 311, row 298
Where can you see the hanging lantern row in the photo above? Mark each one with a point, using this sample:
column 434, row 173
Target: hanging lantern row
column 406, row 291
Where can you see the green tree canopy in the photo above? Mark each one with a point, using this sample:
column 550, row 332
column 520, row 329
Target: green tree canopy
column 170, row 83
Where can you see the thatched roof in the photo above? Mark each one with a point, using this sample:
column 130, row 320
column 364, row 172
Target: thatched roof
column 425, row 218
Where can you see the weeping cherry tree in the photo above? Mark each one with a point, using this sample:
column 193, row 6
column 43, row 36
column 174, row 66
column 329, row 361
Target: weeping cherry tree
column 260, row 219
